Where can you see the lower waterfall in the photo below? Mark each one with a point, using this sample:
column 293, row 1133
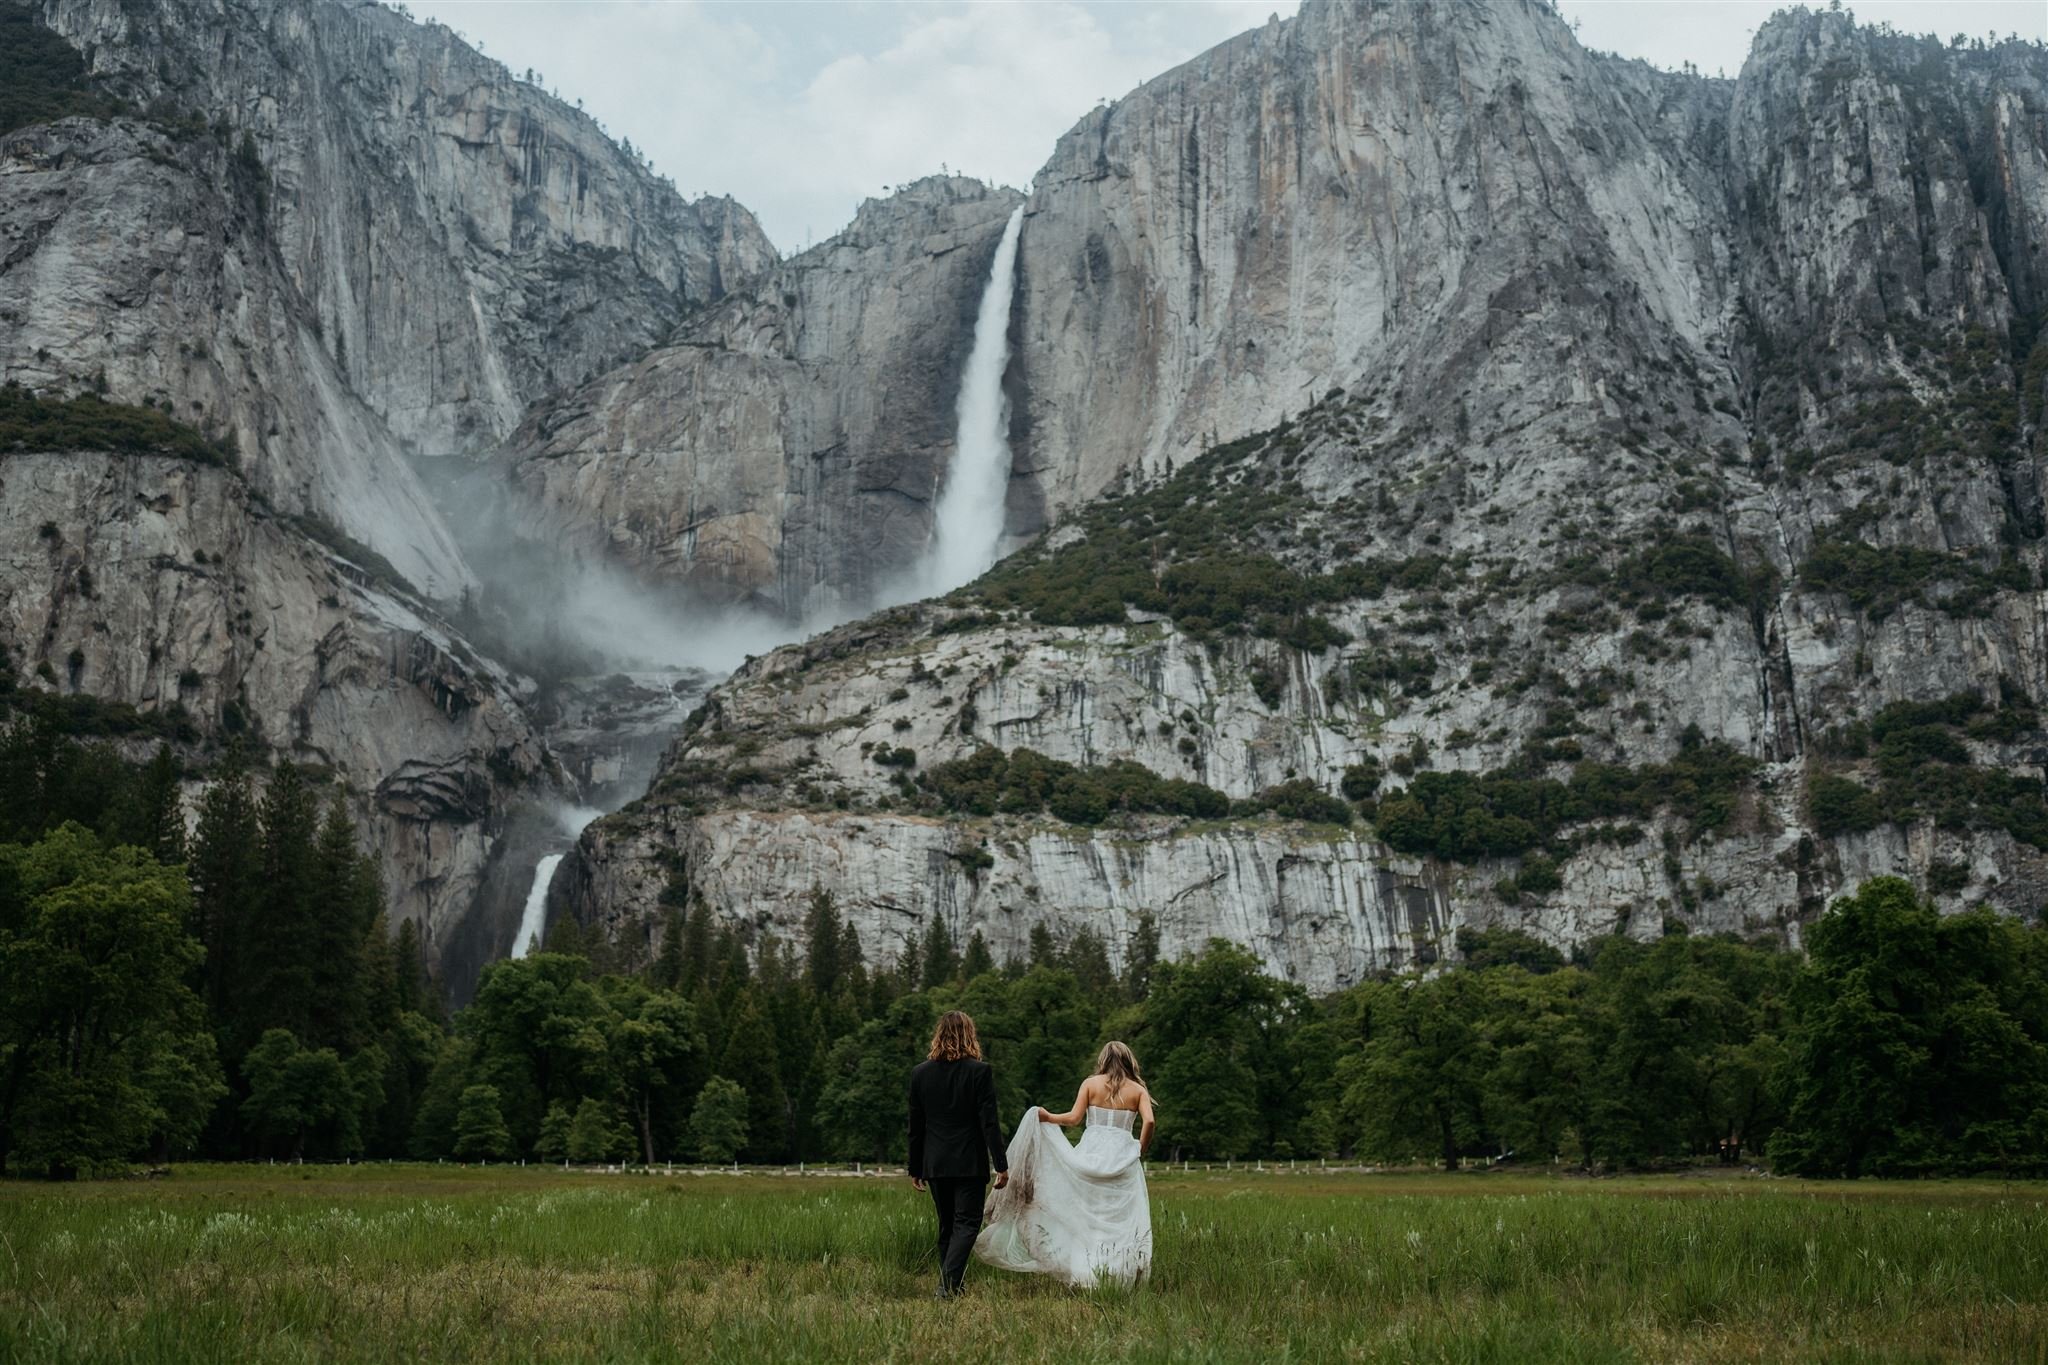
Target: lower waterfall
column 534, row 917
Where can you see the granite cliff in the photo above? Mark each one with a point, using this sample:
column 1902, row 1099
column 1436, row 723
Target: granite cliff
column 334, row 241
column 1463, row 479
column 1622, row 513
column 785, row 447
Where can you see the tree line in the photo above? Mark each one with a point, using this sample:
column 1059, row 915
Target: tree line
column 236, row 993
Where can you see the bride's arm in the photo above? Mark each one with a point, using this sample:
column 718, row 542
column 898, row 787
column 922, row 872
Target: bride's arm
column 1145, row 1117
column 1072, row 1116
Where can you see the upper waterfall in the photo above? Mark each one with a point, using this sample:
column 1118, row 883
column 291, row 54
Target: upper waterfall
column 968, row 522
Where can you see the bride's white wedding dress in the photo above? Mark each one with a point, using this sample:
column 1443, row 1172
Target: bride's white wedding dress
column 1076, row 1212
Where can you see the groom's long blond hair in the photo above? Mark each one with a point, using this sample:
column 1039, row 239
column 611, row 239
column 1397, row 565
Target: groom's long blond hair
column 954, row 1040
column 1116, row 1063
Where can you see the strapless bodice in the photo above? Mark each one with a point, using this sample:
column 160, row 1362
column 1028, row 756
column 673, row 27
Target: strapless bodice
column 1124, row 1119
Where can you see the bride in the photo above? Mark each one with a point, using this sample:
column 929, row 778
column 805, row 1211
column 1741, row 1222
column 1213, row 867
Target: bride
column 1079, row 1213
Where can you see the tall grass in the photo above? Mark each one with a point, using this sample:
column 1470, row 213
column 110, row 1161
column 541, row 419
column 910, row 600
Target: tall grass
column 510, row 1264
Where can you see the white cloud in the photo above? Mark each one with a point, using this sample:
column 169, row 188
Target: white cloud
column 801, row 111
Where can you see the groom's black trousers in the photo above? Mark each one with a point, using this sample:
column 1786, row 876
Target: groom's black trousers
column 959, row 1203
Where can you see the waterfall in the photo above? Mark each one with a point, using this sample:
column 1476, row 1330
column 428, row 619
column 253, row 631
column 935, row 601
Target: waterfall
column 535, row 915
column 570, row 820
column 968, row 522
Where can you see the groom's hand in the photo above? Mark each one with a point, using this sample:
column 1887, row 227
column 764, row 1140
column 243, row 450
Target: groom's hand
column 1002, row 1179
column 917, row 1182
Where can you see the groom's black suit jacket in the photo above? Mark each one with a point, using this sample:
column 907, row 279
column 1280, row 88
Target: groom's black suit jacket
column 953, row 1130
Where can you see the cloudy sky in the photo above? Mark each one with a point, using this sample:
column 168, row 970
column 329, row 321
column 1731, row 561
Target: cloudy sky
column 801, row 108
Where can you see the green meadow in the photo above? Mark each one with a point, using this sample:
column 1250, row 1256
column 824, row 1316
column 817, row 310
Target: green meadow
column 511, row 1263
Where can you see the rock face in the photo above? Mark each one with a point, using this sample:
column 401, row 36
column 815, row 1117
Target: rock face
column 343, row 237
column 140, row 264
column 426, row 203
column 1626, row 411
column 786, row 447
column 334, row 240
column 1611, row 418
column 160, row 583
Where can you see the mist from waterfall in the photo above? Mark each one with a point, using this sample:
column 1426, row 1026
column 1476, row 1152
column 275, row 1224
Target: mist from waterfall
column 967, row 525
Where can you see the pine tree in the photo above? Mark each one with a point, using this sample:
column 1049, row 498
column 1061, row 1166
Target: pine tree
column 567, row 938
column 409, row 969
column 666, row 971
column 1087, row 958
column 750, row 1062
column 822, row 943
column 886, row 986
column 282, row 942
column 343, row 902
column 941, row 963
column 800, row 1057
column 160, row 808
column 379, row 958
column 730, row 971
column 1045, row 951
column 978, row 961
column 1142, row 958
column 696, row 951
column 227, row 872
column 853, row 963
column 480, row 1132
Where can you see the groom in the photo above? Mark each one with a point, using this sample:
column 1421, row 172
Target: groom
column 954, row 1139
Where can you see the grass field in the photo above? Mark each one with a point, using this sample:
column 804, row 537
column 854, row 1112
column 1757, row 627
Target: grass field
column 245, row 1263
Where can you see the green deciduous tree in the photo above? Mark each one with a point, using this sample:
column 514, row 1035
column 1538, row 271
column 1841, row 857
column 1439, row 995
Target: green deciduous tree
column 718, row 1121
column 102, row 1051
column 1921, row 1044
column 1417, row 1085
column 597, row 1133
column 301, row 1101
column 656, row 1051
column 553, row 1142
column 862, row 1108
column 1214, row 1042
column 538, row 1033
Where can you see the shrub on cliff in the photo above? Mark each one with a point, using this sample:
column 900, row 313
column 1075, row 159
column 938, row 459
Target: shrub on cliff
column 30, row 422
column 1466, row 816
column 1025, row 782
column 1926, row 771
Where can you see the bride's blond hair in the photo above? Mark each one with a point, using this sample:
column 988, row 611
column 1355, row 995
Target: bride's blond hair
column 1117, row 1064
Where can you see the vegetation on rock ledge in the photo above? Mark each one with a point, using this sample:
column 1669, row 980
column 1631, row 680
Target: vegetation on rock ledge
column 30, row 422
column 1465, row 817
column 1925, row 770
